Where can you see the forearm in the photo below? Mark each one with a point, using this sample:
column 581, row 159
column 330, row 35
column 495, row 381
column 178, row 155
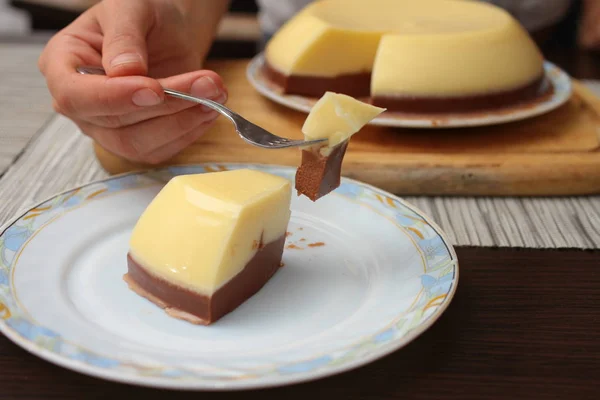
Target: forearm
column 589, row 28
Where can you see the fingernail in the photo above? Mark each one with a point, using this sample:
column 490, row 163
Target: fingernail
column 221, row 100
column 145, row 98
column 212, row 115
column 205, row 87
column 125, row 58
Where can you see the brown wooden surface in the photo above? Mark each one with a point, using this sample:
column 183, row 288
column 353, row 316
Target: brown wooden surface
column 554, row 154
column 524, row 324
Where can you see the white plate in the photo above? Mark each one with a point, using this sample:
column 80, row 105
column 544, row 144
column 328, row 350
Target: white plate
column 559, row 79
column 383, row 276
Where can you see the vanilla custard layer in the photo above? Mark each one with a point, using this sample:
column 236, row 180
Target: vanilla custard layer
column 201, row 230
column 425, row 47
column 429, row 65
column 336, row 117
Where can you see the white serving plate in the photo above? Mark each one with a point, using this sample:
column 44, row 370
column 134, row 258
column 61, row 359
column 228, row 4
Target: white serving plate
column 559, row 79
column 383, row 276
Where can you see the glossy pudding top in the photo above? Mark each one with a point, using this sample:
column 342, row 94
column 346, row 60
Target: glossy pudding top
column 410, row 48
column 202, row 229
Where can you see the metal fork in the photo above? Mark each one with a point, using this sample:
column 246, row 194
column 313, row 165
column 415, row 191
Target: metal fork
column 248, row 131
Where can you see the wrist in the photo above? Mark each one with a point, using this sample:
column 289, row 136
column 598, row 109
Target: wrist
column 205, row 9
column 202, row 17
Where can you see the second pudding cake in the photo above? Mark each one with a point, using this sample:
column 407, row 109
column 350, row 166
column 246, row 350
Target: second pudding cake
column 425, row 56
column 208, row 242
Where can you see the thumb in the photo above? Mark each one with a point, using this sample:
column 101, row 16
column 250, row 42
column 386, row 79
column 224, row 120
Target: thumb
column 125, row 26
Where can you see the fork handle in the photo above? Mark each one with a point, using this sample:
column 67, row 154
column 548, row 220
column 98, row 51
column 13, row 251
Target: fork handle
column 205, row 102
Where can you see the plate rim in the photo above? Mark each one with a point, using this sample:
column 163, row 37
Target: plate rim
column 82, row 367
column 530, row 110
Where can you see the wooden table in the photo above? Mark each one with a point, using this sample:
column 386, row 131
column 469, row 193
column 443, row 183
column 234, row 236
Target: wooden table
column 524, row 324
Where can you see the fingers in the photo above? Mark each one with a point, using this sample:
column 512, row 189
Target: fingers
column 125, row 25
column 137, row 97
column 91, row 95
column 206, row 84
column 173, row 148
column 88, row 95
column 203, row 83
column 125, row 111
column 80, row 95
column 139, row 141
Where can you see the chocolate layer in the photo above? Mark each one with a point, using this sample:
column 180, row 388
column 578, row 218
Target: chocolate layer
column 359, row 85
column 194, row 307
column 318, row 175
column 355, row 85
column 474, row 103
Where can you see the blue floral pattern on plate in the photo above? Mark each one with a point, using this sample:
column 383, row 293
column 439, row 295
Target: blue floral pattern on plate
column 438, row 281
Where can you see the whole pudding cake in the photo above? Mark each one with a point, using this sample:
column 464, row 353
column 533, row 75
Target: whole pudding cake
column 426, row 56
column 208, row 242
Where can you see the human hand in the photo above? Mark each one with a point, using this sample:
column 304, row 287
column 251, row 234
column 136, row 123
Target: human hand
column 143, row 45
column 589, row 30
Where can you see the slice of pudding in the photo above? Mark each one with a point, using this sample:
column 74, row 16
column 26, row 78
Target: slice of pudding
column 336, row 117
column 208, row 242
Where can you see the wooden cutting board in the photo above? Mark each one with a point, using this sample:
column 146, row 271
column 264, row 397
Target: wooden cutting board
column 554, row 154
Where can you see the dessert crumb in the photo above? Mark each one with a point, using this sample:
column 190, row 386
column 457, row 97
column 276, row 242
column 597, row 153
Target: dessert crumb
column 281, row 264
column 302, row 240
column 288, row 234
column 301, row 229
column 293, row 246
column 316, row 244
